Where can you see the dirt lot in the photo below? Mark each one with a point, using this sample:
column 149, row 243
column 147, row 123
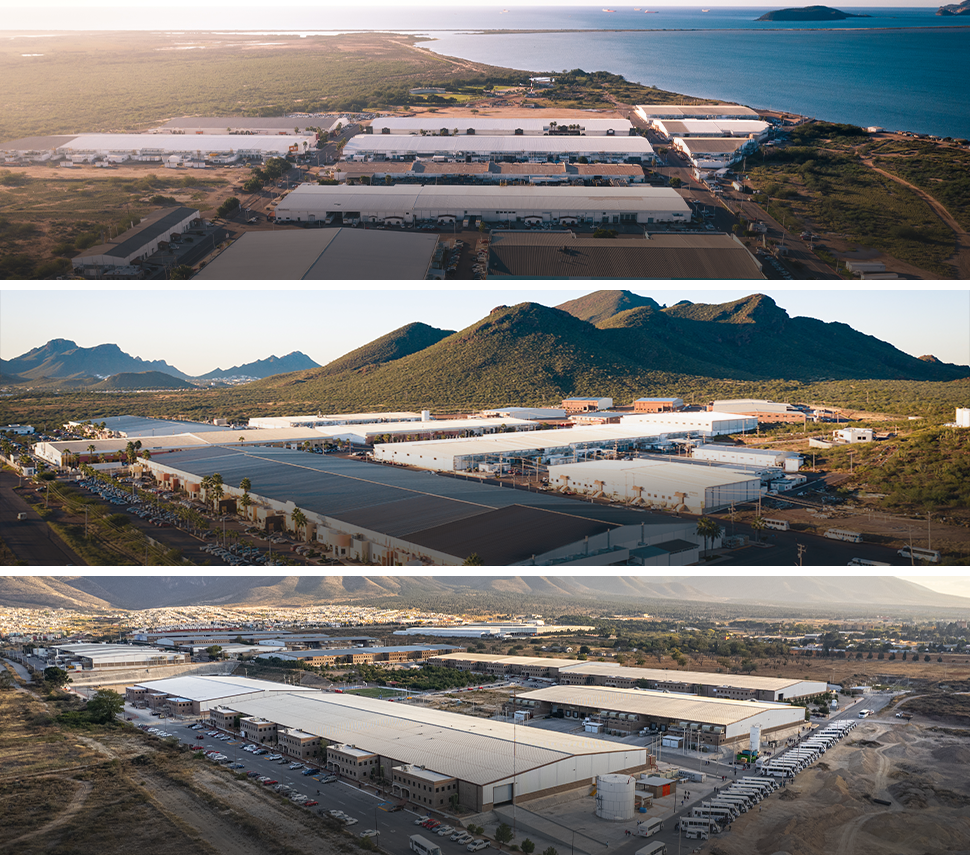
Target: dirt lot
column 830, row 809
column 119, row 790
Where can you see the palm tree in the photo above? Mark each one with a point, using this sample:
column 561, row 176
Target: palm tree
column 299, row 519
column 245, row 485
column 245, row 501
column 709, row 529
column 758, row 524
column 91, row 449
column 215, row 491
column 146, row 454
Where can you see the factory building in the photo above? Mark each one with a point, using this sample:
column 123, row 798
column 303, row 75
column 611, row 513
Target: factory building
column 586, row 405
column 430, row 756
column 657, row 405
column 533, row 413
column 327, row 254
column 647, row 112
column 747, row 128
column 569, row 672
column 402, row 205
column 468, row 149
column 133, row 427
column 656, row 484
column 624, row 712
column 486, row 126
column 138, row 243
column 320, row 420
column 853, row 434
column 490, row 172
column 155, row 147
column 489, row 630
column 691, row 424
column 203, row 693
column 790, row 461
column 236, row 125
column 714, row 152
column 385, row 515
column 766, row 412
column 429, row 429
column 100, row 657
column 362, row 655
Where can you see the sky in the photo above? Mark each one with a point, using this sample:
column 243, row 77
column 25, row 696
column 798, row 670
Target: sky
column 197, row 330
column 504, row 4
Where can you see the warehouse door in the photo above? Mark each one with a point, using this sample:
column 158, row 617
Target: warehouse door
column 502, row 795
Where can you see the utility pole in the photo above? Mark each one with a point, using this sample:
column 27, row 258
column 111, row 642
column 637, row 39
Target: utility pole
column 801, row 552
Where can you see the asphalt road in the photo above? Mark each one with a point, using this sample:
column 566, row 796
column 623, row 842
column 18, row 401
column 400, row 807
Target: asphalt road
column 31, row 540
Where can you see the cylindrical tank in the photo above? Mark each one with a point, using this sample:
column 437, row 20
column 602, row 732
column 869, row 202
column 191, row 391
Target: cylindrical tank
column 615, row 797
column 756, row 737
column 426, row 415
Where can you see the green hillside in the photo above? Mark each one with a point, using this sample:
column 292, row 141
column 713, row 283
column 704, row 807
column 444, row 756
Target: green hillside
column 395, row 345
column 141, row 380
column 601, row 305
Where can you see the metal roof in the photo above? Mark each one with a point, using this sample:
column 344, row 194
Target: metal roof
column 687, row 111
column 269, row 123
column 481, row 144
column 716, row 256
column 155, row 225
column 549, row 662
column 183, row 143
column 37, row 143
column 199, row 688
column 496, row 125
column 711, row 127
column 711, row 145
column 408, row 427
column 705, row 678
column 476, row 750
column 401, row 197
column 666, row 704
column 324, row 254
column 655, row 473
column 135, row 426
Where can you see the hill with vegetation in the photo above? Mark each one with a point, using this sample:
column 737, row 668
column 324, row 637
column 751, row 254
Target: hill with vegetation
column 261, row 368
column 140, row 381
column 955, row 9
column 808, row 13
column 601, row 305
column 61, row 358
column 402, row 342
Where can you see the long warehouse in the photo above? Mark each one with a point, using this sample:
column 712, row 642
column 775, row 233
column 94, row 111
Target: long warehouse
column 403, row 204
column 625, row 149
column 484, row 762
column 739, row 687
column 657, row 484
column 622, row 712
column 511, row 126
column 204, row 146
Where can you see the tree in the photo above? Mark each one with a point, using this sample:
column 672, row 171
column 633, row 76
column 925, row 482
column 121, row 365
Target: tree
column 709, row 529
column 104, row 706
column 503, row 834
column 527, row 846
column 550, row 851
column 215, row 491
column 183, row 271
column 245, row 485
column 231, row 204
column 56, row 677
column 473, row 560
column 299, row 519
column 246, row 502
column 214, row 652
column 758, row 524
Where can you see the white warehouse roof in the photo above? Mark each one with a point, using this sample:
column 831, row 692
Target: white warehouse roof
column 183, row 143
column 660, row 474
column 500, row 126
column 419, row 427
column 667, row 111
column 709, row 127
column 199, row 688
column 618, row 146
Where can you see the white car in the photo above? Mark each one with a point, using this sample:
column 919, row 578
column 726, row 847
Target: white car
column 443, row 830
column 421, row 820
column 293, row 766
column 349, row 820
column 476, row 845
column 337, row 814
column 370, row 832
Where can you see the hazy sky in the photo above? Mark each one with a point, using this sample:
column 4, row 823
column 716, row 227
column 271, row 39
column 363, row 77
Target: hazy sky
column 504, row 4
column 197, row 330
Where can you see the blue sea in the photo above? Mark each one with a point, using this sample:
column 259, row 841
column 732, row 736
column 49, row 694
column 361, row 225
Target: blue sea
column 899, row 68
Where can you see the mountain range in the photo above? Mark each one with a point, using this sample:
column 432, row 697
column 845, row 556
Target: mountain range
column 611, row 343
column 64, row 362
column 572, row 592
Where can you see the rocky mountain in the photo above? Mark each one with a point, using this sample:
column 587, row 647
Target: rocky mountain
column 61, row 359
column 404, row 341
column 601, row 305
column 140, row 381
column 579, row 592
column 295, row 361
column 955, row 9
column 808, row 13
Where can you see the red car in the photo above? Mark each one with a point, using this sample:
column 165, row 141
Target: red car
column 269, row 783
column 200, row 737
column 196, row 747
column 310, row 804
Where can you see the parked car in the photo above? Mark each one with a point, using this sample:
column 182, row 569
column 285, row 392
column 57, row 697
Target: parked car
column 477, row 845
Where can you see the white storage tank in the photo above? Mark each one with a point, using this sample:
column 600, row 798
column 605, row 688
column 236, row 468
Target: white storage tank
column 615, row 797
column 756, row 737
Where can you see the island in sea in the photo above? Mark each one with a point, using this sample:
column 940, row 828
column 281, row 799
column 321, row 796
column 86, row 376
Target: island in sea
column 955, row 9
column 809, row 13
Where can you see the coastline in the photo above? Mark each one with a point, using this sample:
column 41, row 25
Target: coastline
column 508, row 32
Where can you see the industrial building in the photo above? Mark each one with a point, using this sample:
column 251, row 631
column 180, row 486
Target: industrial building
column 657, row 405
column 532, row 629
column 962, row 418
column 155, row 147
column 138, row 243
column 672, row 128
column 327, row 254
column 486, row 126
column 714, row 152
column 656, row 484
column 569, row 672
column 429, row 755
column 623, row 712
column 278, row 125
column 558, row 446
column 320, row 420
column 99, row 657
column 790, row 461
column 534, row 413
column 425, row 429
column 362, row 655
column 403, row 205
column 193, row 695
column 625, row 149
column 387, row 515
column 586, row 405
column 133, row 427
column 766, row 412
column 488, row 172
column 558, row 255
column 695, row 111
